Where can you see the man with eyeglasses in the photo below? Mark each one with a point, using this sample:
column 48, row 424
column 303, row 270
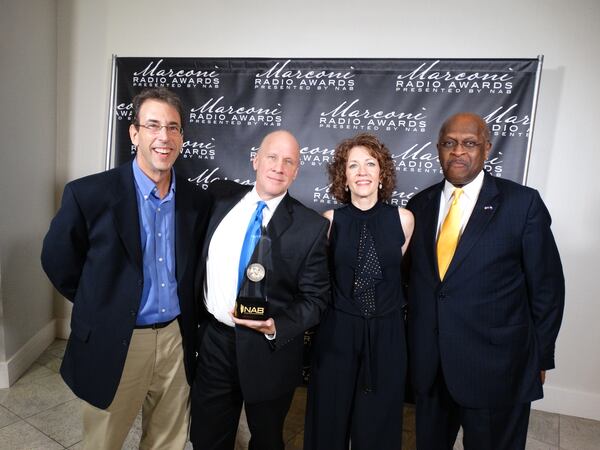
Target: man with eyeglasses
column 124, row 248
column 486, row 296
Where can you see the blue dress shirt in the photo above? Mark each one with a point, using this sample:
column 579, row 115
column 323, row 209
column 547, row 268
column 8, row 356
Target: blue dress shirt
column 159, row 302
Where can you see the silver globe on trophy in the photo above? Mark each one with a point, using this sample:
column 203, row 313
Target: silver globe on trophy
column 251, row 302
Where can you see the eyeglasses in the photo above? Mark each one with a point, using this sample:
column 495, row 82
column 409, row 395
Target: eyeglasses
column 452, row 144
column 155, row 128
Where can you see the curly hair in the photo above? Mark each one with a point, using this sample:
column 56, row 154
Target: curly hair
column 377, row 149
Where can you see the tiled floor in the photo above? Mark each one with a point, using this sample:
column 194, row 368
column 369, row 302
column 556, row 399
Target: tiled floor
column 40, row 413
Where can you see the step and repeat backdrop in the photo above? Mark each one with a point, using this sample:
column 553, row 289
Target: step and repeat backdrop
column 230, row 104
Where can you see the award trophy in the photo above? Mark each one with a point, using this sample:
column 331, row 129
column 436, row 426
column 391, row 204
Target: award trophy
column 251, row 302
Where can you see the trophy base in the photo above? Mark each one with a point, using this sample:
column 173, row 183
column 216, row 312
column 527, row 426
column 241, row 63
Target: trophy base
column 251, row 308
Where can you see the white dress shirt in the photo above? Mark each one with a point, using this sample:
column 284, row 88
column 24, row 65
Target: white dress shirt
column 223, row 260
column 466, row 201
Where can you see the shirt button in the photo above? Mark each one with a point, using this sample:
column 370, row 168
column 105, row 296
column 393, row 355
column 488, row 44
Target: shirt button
column 160, row 259
column 157, row 209
column 163, row 310
column 159, row 234
column 162, row 284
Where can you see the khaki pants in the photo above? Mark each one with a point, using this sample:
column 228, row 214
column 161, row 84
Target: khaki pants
column 153, row 379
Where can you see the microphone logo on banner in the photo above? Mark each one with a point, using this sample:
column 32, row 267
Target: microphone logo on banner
column 424, row 80
column 280, row 77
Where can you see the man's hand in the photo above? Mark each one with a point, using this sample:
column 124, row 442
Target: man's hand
column 543, row 376
column 262, row 326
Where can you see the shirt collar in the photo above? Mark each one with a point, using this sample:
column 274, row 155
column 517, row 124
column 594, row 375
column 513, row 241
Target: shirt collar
column 145, row 185
column 272, row 204
column 470, row 190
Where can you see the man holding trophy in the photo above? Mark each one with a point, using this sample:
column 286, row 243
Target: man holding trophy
column 265, row 283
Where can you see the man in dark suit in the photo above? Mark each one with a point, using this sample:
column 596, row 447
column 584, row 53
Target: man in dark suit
column 484, row 312
column 124, row 248
column 258, row 362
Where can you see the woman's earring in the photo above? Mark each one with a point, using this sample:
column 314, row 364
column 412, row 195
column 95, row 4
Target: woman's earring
column 346, row 188
column 380, row 185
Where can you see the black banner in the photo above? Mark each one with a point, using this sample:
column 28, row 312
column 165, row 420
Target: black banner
column 232, row 103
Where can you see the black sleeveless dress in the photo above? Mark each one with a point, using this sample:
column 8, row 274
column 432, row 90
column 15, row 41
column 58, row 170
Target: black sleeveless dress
column 356, row 390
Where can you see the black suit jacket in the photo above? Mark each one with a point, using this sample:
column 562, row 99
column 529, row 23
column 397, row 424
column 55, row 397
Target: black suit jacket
column 492, row 323
column 92, row 254
column 297, row 289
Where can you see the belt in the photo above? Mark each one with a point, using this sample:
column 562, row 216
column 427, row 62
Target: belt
column 155, row 326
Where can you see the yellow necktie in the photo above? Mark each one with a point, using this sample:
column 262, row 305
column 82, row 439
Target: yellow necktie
column 449, row 233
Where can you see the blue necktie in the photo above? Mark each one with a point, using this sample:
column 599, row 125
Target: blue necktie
column 250, row 240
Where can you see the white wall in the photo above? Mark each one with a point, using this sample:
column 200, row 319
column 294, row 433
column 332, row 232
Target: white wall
column 27, row 174
column 565, row 147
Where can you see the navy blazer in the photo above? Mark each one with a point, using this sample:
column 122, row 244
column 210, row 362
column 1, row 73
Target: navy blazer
column 492, row 322
column 92, row 254
column 298, row 292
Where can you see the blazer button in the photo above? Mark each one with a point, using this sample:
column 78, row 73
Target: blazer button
column 140, row 282
column 442, row 296
column 132, row 312
column 124, row 342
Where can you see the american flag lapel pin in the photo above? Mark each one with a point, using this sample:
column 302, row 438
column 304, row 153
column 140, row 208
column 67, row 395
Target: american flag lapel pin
column 488, row 208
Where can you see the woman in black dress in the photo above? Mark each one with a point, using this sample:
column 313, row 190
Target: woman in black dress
column 356, row 392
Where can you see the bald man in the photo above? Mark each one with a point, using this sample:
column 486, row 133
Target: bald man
column 486, row 296
column 257, row 362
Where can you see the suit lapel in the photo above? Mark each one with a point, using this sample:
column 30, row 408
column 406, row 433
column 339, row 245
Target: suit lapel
column 185, row 218
column 125, row 212
column 430, row 222
column 281, row 220
column 485, row 208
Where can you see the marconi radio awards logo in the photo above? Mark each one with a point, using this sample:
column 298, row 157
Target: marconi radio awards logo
column 316, row 156
column 281, row 77
column 508, row 121
column 422, row 158
column 322, row 195
column 217, row 111
column 426, row 79
column 350, row 115
column 203, row 151
column 208, row 175
column 193, row 150
column 154, row 75
column 124, row 111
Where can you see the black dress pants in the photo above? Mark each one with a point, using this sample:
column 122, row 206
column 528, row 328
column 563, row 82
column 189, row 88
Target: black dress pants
column 340, row 413
column 217, row 399
column 439, row 417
